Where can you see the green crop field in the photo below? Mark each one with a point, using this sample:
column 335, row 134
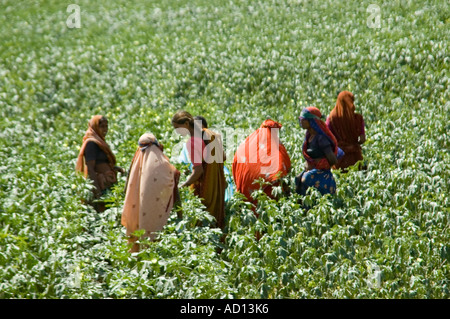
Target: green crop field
column 385, row 234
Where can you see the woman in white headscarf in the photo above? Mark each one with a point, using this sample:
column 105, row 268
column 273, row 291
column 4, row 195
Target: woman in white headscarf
column 151, row 190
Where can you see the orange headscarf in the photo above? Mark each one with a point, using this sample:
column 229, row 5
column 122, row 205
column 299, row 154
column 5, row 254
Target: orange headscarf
column 255, row 158
column 344, row 121
column 93, row 135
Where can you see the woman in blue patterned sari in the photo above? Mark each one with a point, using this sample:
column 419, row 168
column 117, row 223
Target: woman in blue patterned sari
column 320, row 152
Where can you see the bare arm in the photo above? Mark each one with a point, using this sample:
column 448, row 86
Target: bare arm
column 331, row 157
column 119, row 169
column 197, row 172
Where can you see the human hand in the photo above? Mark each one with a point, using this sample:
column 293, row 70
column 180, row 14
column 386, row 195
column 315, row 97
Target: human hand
column 119, row 169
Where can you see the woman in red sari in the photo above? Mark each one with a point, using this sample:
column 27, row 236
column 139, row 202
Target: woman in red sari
column 348, row 128
column 96, row 160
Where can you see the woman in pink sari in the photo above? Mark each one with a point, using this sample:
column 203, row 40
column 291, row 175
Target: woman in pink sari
column 151, row 191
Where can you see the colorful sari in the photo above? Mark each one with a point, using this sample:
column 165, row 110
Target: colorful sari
column 210, row 188
column 185, row 159
column 347, row 126
column 151, row 190
column 320, row 176
column 261, row 155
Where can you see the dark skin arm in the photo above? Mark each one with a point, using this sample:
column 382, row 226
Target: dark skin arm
column 331, row 158
column 119, row 169
column 197, row 172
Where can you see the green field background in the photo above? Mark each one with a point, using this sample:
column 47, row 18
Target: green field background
column 385, row 234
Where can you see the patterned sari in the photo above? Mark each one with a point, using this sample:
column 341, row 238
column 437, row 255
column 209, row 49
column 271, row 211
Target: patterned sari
column 320, row 176
column 151, row 190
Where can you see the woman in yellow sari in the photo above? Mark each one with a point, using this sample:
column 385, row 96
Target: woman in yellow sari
column 206, row 153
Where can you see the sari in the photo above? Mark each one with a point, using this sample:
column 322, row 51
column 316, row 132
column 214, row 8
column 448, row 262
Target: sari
column 261, row 155
column 210, row 188
column 185, row 159
column 320, row 176
column 347, row 126
column 105, row 172
column 107, row 176
column 151, row 190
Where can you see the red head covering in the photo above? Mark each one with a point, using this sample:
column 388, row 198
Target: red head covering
column 344, row 121
column 93, row 135
column 271, row 124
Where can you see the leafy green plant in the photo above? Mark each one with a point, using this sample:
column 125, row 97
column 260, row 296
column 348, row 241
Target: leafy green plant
column 384, row 234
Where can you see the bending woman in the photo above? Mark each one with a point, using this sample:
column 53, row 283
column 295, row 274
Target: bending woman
column 151, row 190
column 320, row 151
column 206, row 153
column 261, row 155
column 185, row 158
column 348, row 128
column 96, row 160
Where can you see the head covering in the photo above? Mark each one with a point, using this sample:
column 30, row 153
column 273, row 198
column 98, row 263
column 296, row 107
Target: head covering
column 93, row 134
column 151, row 189
column 314, row 117
column 271, row 124
column 260, row 155
column 343, row 120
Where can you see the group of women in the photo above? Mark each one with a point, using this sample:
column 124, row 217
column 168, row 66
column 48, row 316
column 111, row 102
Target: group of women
column 152, row 186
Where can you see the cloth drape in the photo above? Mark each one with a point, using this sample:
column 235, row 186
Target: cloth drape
column 210, row 188
column 347, row 126
column 261, row 155
column 320, row 176
column 313, row 115
column 150, row 189
column 107, row 177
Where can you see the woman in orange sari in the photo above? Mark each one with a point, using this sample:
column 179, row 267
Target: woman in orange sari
column 151, row 191
column 261, row 155
column 96, row 160
column 206, row 152
column 348, row 128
